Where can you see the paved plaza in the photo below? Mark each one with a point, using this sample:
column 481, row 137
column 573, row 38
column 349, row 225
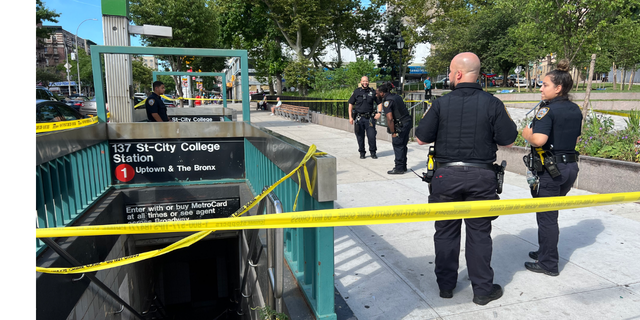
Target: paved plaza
column 386, row 272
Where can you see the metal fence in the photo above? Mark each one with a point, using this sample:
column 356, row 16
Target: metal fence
column 67, row 183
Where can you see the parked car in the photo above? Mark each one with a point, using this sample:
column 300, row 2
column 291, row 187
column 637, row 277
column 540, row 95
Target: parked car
column 140, row 95
column 522, row 83
column 169, row 103
column 89, row 108
column 76, row 102
column 43, row 93
column 51, row 111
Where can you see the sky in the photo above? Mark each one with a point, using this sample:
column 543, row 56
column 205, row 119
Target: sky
column 73, row 12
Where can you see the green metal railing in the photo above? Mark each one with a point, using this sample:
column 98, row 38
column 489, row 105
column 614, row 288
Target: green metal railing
column 67, row 186
column 308, row 251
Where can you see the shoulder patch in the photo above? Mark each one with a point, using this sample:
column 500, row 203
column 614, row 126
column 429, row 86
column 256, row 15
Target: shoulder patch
column 386, row 104
column 151, row 101
column 542, row 112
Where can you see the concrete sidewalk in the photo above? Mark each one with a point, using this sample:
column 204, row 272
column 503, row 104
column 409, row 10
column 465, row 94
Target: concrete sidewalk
column 387, row 271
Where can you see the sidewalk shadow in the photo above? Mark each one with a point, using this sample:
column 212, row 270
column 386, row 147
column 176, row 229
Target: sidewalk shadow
column 508, row 259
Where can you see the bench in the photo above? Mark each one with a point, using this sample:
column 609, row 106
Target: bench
column 294, row 112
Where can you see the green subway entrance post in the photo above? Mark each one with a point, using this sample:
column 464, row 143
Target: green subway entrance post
column 204, row 74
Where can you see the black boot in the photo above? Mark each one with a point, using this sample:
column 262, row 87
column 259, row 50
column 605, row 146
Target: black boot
column 362, row 155
column 373, row 155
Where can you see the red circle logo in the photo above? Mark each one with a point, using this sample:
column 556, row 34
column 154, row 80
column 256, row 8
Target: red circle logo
column 125, row 172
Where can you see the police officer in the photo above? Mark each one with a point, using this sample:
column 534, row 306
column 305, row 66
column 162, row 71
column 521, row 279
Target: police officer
column 156, row 110
column 365, row 115
column 555, row 129
column 466, row 126
column 398, row 124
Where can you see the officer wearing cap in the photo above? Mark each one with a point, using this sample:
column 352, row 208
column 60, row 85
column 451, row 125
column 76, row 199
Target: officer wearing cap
column 156, row 110
column 554, row 132
column 362, row 108
column 466, row 125
column 398, row 124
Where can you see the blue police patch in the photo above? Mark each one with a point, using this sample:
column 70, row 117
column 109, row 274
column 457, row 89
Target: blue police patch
column 542, row 112
column 151, row 102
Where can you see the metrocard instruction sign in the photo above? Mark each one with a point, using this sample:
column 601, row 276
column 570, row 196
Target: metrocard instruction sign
column 140, row 161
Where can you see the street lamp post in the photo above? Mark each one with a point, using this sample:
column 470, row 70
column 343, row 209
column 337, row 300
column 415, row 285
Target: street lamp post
column 78, row 57
column 400, row 44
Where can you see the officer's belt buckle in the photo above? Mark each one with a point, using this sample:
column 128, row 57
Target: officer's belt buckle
column 465, row 164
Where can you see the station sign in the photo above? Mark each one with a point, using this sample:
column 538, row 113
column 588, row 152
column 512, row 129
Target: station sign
column 181, row 211
column 152, row 161
column 208, row 118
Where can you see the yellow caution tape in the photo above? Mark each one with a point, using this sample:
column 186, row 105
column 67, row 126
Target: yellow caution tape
column 129, row 259
column 354, row 216
column 64, row 125
column 193, row 238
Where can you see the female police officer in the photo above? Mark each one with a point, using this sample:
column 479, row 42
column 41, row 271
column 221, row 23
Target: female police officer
column 553, row 135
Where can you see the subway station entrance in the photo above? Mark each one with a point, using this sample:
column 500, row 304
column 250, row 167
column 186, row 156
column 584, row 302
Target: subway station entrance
column 143, row 172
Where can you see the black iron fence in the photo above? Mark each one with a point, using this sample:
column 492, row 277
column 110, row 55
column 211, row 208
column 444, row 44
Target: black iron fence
column 340, row 108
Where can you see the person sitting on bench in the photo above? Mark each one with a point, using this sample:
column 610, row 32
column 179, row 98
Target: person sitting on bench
column 273, row 109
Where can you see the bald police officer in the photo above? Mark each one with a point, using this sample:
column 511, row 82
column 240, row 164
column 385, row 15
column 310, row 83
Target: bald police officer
column 362, row 112
column 466, row 126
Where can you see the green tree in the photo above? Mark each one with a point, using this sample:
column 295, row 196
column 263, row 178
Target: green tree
column 46, row 75
column 300, row 73
column 86, row 69
column 260, row 38
column 194, row 24
column 44, row 14
column 142, row 76
column 568, row 27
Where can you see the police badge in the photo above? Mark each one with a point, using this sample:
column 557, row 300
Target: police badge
column 542, row 112
column 151, row 102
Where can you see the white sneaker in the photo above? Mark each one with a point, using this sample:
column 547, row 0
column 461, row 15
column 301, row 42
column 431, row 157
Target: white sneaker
column 272, row 114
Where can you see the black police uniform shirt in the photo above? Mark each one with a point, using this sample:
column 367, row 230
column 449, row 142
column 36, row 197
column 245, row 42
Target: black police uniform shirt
column 154, row 104
column 466, row 125
column 363, row 100
column 394, row 104
column 561, row 120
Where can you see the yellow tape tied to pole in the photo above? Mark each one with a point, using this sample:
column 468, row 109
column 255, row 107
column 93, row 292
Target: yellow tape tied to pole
column 193, row 238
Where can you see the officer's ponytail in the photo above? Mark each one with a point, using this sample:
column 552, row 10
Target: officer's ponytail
column 561, row 77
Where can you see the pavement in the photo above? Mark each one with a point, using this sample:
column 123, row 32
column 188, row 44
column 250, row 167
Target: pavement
column 387, row 271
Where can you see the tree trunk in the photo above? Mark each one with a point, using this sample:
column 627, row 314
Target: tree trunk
column 624, row 76
column 279, row 83
column 615, row 73
column 633, row 73
column 588, row 93
column 271, row 89
column 528, row 80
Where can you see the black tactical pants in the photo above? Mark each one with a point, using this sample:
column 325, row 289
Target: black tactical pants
column 548, row 230
column 451, row 184
column 400, row 149
column 362, row 127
